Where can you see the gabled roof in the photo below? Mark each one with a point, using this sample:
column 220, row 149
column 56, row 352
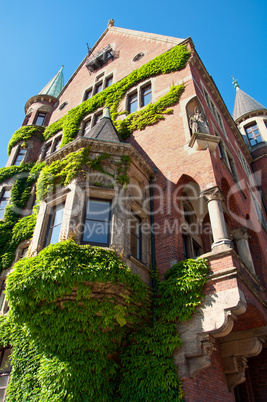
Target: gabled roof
column 244, row 104
column 104, row 130
column 55, row 85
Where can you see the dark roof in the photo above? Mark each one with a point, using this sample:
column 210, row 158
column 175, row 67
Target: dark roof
column 244, row 104
column 104, row 130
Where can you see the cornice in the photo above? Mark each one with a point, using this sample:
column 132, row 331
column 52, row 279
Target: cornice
column 113, row 148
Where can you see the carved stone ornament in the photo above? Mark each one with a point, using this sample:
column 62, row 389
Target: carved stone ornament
column 198, row 122
column 111, row 23
column 214, row 193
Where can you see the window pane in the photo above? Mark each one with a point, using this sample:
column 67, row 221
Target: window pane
column 98, row 210
column 133, row 103
column 88, row 94
column 146, row 95
column 39, row 121
column 109, row 81
column 55, row 233
column 98, row 88
column 20, row 157
column 96, row 232
column 97, row 222
column 55, row 224
column 58, row 216
column 136, row 237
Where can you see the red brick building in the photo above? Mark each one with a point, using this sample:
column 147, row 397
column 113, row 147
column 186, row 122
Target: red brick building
column 207, row 172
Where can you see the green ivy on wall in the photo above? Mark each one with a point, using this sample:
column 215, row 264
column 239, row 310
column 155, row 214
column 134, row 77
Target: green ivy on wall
column 15, row 229
column 81, row 327
column 174, row 59
column 62, row 172
column 23, row 134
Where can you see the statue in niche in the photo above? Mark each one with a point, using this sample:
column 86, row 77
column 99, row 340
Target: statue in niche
column 198, row 122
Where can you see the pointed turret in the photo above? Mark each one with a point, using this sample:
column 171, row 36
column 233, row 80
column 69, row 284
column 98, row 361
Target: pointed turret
column 55, row 85
column 47, row 97
column 244, row 103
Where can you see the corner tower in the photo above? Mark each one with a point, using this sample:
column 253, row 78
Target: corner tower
column 251, row 119
column 38, row 108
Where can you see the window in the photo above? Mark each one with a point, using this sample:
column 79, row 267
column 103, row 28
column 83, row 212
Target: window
column 146, row 95
column 132, row 102
column 88, row 94
column 253, row 134
column 47, row 150
column 232, row 166
column 56, row 144
column 265, row 122
column 20, row 156
column 63, row 105
column 136, row 237
column 4, row 201
column 97, row 222
column 98, row 87
column 86, row 127
column 54, row 225
column 3, row 302
column 5, row 369
column 190, row 229
column 109, row 81
column 97, row 117
column 40, row 118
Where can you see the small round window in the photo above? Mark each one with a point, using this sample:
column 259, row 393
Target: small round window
column 138, row 56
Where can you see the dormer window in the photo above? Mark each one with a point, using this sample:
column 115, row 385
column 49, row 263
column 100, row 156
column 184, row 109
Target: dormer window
column 253, row 134
column 39, row 119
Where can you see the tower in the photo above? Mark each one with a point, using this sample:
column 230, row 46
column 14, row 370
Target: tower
column 251, row 119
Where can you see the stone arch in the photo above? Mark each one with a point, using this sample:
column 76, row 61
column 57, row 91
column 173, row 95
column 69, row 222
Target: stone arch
column 191, row 209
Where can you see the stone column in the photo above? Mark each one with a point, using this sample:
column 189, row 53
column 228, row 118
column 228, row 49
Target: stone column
column 241, row 237
column 214, row 198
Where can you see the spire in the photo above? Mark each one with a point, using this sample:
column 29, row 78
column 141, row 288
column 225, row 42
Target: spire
column 235, row 83
column 244, row 103
column 55, row 85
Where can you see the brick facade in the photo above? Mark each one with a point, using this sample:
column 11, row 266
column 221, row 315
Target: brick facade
column 238, row 294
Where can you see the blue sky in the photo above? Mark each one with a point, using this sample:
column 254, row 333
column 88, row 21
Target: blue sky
column 38, row 37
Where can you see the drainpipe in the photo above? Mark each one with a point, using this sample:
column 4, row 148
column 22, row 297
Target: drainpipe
column 153, row 253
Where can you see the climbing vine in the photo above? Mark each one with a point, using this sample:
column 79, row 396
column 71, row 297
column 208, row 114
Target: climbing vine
column 62, row 172
column 23, row 134
column 81, row 327
column 174, row 59
column 15, row 228
column 80, row 322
